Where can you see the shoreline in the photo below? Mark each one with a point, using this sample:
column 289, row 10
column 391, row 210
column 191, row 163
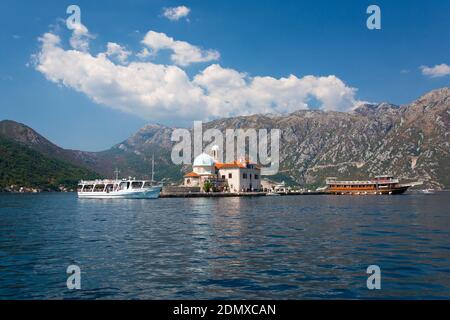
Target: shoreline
column 215, row 194
column 235, row 194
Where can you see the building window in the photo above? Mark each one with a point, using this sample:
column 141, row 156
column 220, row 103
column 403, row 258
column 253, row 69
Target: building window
column 223, row 177
column 244, row 176
column 256, row 177
column 230, row 175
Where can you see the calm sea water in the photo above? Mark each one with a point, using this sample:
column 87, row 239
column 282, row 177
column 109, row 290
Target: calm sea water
column 297, row 247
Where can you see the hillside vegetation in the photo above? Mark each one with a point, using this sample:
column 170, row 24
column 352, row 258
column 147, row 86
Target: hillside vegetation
column 21, row 166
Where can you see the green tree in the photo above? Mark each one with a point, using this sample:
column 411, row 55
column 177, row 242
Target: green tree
column 23, row 167
column 207, row 186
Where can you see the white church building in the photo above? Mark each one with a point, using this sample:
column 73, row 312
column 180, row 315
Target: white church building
column 237, row 176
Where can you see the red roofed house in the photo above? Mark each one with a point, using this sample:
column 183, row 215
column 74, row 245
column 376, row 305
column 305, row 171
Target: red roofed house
column 237, row 176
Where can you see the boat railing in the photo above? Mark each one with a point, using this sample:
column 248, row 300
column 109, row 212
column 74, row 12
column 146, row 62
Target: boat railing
column 362, row 182
column 109, row 181
column 351, row 182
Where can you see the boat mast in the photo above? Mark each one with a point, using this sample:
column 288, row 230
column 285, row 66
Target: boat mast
column 117, row 173
column 153, row 167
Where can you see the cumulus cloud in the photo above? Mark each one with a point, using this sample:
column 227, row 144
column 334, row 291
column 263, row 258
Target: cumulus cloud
column 166, row 93
column 80, row 37
column 183, row 53
column 143, row 54
column 116, row 51
column 439, row 70
column 176, row 13
column 228, row 89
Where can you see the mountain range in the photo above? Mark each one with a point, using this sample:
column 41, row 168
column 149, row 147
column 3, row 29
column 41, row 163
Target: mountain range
column 25, row 169
column 411, row 141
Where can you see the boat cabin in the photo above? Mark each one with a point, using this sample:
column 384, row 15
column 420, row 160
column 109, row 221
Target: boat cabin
column 113, row 185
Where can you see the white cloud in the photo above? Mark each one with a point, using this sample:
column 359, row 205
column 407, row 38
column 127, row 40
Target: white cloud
column 240, row 94
column 143, row 54
column 80, row 37
column 148, row 90
column 166, row 93
column 439, row 70
column 176, row 13
column 183, row 54
column 118, row 52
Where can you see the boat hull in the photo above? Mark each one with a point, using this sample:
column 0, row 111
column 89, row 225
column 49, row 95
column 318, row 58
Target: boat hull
column 149, row 193
column 390, row 191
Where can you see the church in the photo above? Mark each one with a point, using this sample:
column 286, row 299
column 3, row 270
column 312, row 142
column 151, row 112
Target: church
column 236, row 176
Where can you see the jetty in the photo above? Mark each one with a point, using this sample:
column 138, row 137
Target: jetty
column 184, row 192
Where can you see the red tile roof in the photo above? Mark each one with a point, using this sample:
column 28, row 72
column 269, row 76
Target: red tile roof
column 191, row 175
column 220, row 165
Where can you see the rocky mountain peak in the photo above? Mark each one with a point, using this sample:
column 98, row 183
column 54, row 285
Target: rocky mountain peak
column 23, row 134
column 438, row 97
column 370, row 109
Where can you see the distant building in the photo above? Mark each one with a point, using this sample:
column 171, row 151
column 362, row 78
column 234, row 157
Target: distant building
column 237, row 176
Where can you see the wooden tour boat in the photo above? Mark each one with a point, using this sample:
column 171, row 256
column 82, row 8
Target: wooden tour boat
column 379, row 185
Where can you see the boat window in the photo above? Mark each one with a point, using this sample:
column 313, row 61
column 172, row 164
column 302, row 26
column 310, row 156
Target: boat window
column 136, row 184
column 80, row 187
column 99, row 187
column 88, row 188
column 123, row 186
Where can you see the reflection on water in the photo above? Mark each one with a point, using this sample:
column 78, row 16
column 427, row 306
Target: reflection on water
column 256, row 248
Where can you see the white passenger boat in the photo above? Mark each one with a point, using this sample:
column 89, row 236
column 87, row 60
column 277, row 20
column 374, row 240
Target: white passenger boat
column 119, row 189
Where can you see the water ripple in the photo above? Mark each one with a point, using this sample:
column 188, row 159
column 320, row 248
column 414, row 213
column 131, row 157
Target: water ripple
column 307, row 247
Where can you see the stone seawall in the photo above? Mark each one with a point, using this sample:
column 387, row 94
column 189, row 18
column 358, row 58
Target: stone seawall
column 167, row 194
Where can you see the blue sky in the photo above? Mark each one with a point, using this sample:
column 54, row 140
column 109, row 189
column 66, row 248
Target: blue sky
column 254, row 39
